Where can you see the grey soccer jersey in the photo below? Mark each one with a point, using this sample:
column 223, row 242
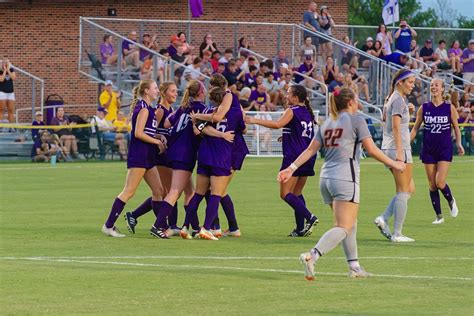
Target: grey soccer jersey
column 396, row 105
column 341, row 140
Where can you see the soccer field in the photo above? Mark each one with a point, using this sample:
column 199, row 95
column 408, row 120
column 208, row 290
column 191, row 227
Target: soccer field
column 55, row 260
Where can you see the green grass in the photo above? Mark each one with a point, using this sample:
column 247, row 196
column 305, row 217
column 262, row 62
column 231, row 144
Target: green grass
column 58, row 212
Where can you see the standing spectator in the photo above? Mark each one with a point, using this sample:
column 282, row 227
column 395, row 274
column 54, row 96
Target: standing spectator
column 326, row 21
column 130, row 51
column 35, row 133
column 330, row 71
column 456, row 52
column 187, row 47
column 441, row 54
column 107, row 52
column 367, row 47
column 403, row 37
column 122, row 124
column 348, row 58
column 207, row 44
column 428, row 55
column 385, row 38
column 281, row 59
column 7, row 94
column 468, row 64
column 110, row 100
column 310, row 20
column 308, row 49
column 65, row 133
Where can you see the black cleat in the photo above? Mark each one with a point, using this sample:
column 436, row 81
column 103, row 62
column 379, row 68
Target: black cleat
column 158, row 233
column 131, row 222
column 296, row 233
column 308, row 228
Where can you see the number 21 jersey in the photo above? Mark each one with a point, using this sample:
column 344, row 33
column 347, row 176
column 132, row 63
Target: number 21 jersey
column 341, row 140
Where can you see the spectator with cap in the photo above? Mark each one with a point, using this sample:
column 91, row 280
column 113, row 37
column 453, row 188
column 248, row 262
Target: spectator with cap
column 37, row 122
column 281, row 59
column 109, row 131
column 110, row 100
column 130, row 51
column 367, row 47
column 174, row 44
column 403, row 37
column 311, row 22
column 149, row 42
column 428, row 55
column 207, row 44
column 468, row 64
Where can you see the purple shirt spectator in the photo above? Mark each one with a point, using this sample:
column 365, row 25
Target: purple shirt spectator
column 260, row 98
column 128, row 45
column 106, row 49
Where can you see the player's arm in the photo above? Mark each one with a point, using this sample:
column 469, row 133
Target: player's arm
column 377, row 154
column 140, row 130
column 457, row 131
column 282, row 121
column 285, row 175
column 416, row 127
column 211, row 131
column 396, row 130
column 219, row 115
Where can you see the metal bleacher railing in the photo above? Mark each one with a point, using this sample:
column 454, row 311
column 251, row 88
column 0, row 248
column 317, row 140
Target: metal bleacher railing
column 33, row 86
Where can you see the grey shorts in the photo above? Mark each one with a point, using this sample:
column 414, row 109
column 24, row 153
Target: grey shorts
column 333, row 189
column 392, row 154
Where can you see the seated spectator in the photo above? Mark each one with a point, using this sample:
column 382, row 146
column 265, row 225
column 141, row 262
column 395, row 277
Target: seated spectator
column 206, row 67
column 180, row 60
column 232, row 74
column 348, row 58
column 110, row 100
column 251, row 77
column 109, row 132
column 330, row 71
column 221, row 69
column 272, row 87
column 107, row 52
column 441, row 54
column 216, row 55
column 146, row 69
column 415, row 55
column 379, row 50
column 207, row 44
column 264, row 133
column 263, row 68
column 282, row 70
column 130, row 50
column 174, row 44
column 250, row 61
column 122, row 124
column 228, row 55
column 367, row 47
column 283, row 87
column 148, row 42
column 308, row 49
column 361, row 82
column 42, row 150
column 281, row 59
column 65, row 133
column 259, row 97
column 37, row 122
column 306, row 68
column 187, row 47
column 337, row 82
column 428, row 55
column 456, row 52
column 244, row 97
column 245, row 42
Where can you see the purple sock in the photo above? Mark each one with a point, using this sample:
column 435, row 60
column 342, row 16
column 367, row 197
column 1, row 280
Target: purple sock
column 228, row 207
column 144, row 208
column 298, row 218
column 447, row 193
column 194, row 221
column 211, row 210
column 434, row 195
column 117, row 208
column 298, row 206
column 173, row 217
column 191, row 211
column 165, row 210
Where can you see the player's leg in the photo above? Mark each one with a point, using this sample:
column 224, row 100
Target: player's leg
column 430, row 170
column 441, row 176
column 304, row 213
column 405, row 188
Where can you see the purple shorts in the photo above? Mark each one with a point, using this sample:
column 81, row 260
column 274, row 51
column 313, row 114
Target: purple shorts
column 146, row 161
column 435, row 156
column 237, row 161
column 305, row 170
column 161, row 160
column 209, row 171
column 179, row 165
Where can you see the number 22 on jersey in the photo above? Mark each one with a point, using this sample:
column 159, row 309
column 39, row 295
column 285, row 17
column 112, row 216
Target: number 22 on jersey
column 331, row 136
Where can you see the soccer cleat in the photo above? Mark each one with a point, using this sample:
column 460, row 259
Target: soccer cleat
column 158, row 233
column 235, row 233
column 453, row 208
column 296, row 233
column 170, row 232
column 401, row 238
column 438, row 221
column 113, row 232
column 308, row 228
column 383, row 227
column 216, row 232
column 205, row 234
column 358, row 273
column 307, row 260
column 184, row 233
column 131, row 222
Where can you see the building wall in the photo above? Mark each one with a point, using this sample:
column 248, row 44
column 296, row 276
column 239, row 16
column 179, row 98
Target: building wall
column 42, row 38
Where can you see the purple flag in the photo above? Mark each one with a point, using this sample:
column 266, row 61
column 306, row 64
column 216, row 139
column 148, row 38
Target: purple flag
column 196, row 8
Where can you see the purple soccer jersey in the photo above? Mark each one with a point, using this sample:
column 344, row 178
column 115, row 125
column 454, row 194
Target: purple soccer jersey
column 239, row 147
column 140, row 153
column 182, row 143
column 297, row 136
column 437, row 144
column 161, row 130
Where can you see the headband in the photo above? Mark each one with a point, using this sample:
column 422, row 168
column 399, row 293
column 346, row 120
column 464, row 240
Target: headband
column 402, row 76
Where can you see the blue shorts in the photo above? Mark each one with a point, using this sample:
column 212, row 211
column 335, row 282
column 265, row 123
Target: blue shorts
column 305, row 170
column 435, row 156
column 209, row 171
column 179, row 165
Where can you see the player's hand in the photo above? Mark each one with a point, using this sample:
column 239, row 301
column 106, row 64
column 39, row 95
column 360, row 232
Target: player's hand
column 249, row 119
column 162, row 139
column 229, row 136
column 411, row 108
column 399, row 166
column 460, row 150
column 284, row 175
column 161, row 147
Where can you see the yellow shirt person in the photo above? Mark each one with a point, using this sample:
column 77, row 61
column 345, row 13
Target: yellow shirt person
column 122, row 124
column 110, row 100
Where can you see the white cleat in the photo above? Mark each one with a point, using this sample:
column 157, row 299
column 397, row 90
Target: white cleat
column 307, row 260
column 401, row 238
column 438, row 221
column 170, row 232
column 113, row 232
column 359, row 273
column 206, row 234
column 383, row 227
column 453, row 208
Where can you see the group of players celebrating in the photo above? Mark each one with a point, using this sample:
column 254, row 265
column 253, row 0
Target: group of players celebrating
column 165, row 146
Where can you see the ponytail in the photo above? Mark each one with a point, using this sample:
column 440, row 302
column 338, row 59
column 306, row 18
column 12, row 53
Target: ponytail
column 193, row 89
column 332, row 106
column 339, row 100
column 138, row 92
column 308, row 107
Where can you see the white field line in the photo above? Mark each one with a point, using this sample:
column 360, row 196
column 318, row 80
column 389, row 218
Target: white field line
column 228, row 258
column 200, row 267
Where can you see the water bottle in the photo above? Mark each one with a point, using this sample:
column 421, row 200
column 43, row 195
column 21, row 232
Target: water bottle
column 53, row 160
